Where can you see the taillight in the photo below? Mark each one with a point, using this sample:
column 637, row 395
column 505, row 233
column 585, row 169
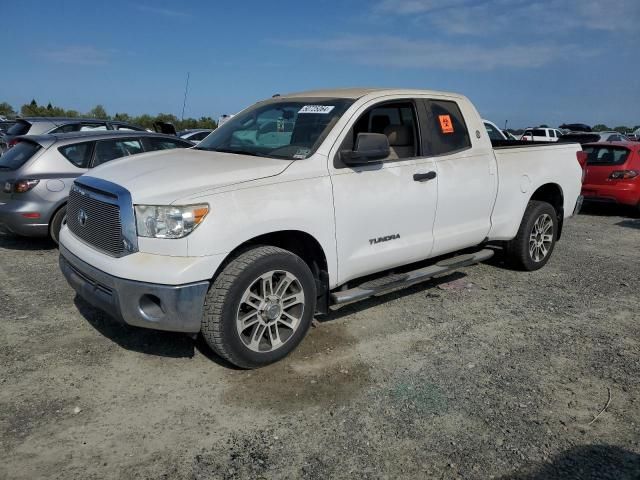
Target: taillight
column 22, row 186
column 13, row 142
column 623, row 174
column 582, row 158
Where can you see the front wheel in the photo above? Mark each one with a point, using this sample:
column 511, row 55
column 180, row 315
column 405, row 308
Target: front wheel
column 56, row 224
column 260, row 307
column 536, row 238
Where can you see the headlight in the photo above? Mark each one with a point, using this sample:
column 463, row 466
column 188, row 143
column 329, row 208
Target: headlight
column 169, row 221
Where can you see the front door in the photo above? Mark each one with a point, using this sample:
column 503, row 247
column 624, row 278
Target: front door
column 384, row 212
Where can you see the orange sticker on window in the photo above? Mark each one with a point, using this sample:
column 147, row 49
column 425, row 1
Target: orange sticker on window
column 445, row 123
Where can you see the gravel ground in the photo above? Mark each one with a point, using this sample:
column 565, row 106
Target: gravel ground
column 487, row 373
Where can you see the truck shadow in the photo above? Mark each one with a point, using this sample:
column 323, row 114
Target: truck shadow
column 586, row 462
column 14, row 242
column 630, row 224
column 142, row 340
column 153, row 342
column 352, row 308
column 609, row 210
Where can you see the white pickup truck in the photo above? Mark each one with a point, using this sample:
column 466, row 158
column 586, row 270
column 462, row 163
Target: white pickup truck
column 304, row 201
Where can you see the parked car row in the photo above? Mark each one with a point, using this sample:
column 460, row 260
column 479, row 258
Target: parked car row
column 38, row 172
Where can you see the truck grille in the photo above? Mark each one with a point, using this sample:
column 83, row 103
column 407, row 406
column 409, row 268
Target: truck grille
column 96, row 222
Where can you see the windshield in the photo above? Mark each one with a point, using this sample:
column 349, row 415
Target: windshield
column 17, row 156
column 278, row 128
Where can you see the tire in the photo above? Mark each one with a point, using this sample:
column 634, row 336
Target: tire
column 533, row 245
column 56, row 223
column 248, row 296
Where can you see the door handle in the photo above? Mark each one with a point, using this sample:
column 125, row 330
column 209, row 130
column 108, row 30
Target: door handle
column 423, row 177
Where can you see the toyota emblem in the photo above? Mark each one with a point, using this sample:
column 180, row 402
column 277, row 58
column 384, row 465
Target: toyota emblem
column 82, row 218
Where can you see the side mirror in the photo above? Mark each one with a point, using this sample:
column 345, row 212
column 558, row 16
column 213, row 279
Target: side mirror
column 370, row 148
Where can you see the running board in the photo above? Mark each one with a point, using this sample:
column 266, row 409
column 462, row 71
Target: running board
column 393, row 281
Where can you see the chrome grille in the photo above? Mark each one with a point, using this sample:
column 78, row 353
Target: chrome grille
column 95, row 221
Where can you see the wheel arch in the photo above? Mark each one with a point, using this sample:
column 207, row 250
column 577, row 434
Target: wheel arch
column 301, row 243
column 552, row 193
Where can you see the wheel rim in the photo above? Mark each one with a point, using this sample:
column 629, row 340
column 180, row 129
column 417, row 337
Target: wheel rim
column 270, row 311
column 541, row 238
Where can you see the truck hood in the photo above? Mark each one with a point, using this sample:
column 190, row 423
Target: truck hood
column 161, row 178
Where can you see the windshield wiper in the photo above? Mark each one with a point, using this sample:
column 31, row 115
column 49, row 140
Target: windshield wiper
column 230, row 150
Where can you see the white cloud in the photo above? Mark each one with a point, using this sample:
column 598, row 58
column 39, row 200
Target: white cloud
column 79, row 55
column 549, row 17
column 392, row 51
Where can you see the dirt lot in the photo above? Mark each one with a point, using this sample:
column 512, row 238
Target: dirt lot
column 487, row 373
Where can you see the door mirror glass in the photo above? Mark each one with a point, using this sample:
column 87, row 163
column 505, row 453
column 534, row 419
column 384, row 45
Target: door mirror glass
column 369, row 148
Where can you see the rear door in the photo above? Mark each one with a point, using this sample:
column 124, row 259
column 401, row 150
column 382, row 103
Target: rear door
column 467, row 178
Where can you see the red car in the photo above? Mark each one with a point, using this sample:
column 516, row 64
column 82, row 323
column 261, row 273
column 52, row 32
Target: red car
column 612, row 172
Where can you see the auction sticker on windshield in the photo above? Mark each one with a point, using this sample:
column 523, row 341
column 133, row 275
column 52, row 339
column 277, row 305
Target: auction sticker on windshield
column 323, row 109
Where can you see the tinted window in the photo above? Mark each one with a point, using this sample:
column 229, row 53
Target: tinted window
column 20, row 128
column 78, row 154
column 606, row 155
column 493, row 133
column 17, row 156
column 199, row 136
column 539, row 132
column 107, row 150
column 165, row 143
column 447, row 129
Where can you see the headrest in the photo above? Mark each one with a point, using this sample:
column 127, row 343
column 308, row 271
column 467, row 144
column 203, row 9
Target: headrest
column 398, row 135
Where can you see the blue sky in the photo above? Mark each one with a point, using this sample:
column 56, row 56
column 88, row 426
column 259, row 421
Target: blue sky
column 528, row 62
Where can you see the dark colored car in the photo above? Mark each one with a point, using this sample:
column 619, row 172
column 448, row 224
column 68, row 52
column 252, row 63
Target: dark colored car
column 37, row 173
column 575, row 127
column 612, row 173
column 41, row 125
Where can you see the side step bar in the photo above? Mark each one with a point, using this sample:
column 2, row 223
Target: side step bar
column 393, row 281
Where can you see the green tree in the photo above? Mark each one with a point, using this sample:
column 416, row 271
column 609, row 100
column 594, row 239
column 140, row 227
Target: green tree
column 7, row 110
column 30, row 109
column 600, row 127
column 621, row 129
column 98, row 112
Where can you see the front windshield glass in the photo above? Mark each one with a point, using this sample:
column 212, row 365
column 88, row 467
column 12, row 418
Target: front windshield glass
column 278, row 128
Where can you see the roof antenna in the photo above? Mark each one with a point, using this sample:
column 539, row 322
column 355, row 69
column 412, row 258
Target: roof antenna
column 184, row 102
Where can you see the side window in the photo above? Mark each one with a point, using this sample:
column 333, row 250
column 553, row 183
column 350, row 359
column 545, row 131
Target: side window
column 552, row 133
column 71, row 127
column 89, row 127
column 164, row 144
column 493, row 133
column 79, row 154
column 395, row 120
column 447, row 129
column 538, row 132
column 107, row 150
column 199, row 136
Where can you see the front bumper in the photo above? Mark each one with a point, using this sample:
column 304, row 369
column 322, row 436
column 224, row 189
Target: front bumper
column 176, row 308
column 12, row 220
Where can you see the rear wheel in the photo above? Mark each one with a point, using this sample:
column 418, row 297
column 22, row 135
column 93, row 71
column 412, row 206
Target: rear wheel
column 57, row 221
column 533, row 245
column 260, row 307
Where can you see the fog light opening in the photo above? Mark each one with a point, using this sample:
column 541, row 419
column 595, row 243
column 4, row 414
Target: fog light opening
column 151, row 307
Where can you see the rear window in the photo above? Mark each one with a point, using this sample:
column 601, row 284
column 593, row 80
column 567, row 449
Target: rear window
column 20, row 128
column 448, row 130
column 79, row 154
column 17, row 156
column 606, row 155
